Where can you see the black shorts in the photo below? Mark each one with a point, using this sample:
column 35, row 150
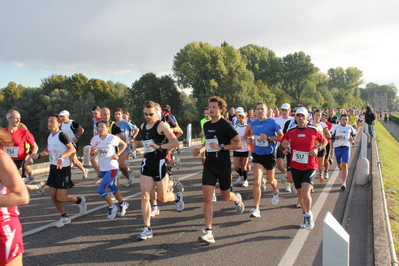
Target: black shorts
column 20, row 164
column 268, row 161
column 280, row 154
column 241, row 154
column 213, row 173
column 157, row 169
column 321, row 153
column 328, row 150
column 76, row 145
column 60, row 178
column 302, row 176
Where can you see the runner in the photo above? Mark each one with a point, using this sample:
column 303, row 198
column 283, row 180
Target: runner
column 73, row 131
column 130, row 132
column 18, row 151
column 323, row 128
column 96, row 112
column 266, row 133
column 329, row 149
column 301, row 141
column 13, row 194
column 157, row 140
column 343, row 135
column 240, row 156
column 220, row 139
column 59, row 149
column 104, row 144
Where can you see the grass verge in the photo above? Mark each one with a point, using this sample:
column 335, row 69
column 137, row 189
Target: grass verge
column 388, row 148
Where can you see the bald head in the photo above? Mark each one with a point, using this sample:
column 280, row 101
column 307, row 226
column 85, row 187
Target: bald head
column 105, row 114
column 13, row 118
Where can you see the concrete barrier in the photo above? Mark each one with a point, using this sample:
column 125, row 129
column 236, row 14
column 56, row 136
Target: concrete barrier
column 362, row 171
column 335, row 242
column 86, row 156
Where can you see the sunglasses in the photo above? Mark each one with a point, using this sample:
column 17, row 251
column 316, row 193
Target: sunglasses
column 241, row 116
column 323, row 116
column 149, row 114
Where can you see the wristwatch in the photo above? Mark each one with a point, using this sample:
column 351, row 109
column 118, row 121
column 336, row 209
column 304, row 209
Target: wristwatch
column 268, row 138
column 222, row 147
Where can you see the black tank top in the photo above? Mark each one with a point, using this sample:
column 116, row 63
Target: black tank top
column 158, row 139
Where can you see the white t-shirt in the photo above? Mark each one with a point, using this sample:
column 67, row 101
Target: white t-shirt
column 241, row 131
column 340, row 130
column 106, row 149
column 56, row 148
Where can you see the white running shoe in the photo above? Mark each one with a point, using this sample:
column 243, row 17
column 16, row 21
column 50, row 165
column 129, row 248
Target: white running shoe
column 41, row 187
column 112, row 212
column 207, row 237
column 245, row 183
column 326, row 176
column 254, row 213
column 146, row 234
column 98, row 179
column 343, row 186
column 303, row 222
column 309, row 221
column 154, row 211
column 287, row 187
column 263, row 186
column 85, row 173
column 178, row 187
column 293, row 189
column 180, row 203
column 130, row 180
column 63, row 221
column 82, row 205
column 240, row 205
column 239, row 179
column 298, row 205
column 275, row 198
column 214, row 199
column 122, row 208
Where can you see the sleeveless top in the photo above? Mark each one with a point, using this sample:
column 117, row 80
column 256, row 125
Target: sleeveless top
column 152, row 135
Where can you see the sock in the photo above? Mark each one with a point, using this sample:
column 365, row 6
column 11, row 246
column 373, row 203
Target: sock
column 239, row 171
column 64, row 215
column 245, row 174
column 79, row 200
column 148, row 227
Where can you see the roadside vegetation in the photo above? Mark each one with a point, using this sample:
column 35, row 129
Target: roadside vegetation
column 388, row 148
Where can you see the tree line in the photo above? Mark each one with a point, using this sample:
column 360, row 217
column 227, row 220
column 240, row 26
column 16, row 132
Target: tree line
column 241, row 76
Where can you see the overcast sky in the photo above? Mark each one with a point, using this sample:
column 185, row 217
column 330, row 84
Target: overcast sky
column 122, row 40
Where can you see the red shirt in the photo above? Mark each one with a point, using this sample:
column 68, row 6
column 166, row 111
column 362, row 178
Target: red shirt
column 19, row 137
column 302, row 141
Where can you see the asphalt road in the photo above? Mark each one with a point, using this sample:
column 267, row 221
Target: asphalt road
column 91, row 239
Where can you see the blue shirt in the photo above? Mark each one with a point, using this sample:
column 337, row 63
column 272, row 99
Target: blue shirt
column 127, row 129
column 269, row 127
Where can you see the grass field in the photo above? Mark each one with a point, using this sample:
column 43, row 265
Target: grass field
column 388, row 148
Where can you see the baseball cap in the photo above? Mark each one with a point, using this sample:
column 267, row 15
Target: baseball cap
column 240, row 109
column 286, row 106
column 64, row 112
column 241, row 113
column 302, row 110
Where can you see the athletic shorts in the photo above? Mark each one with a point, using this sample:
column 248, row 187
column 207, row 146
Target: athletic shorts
column 76, row 145
column 321, row 153
column 11, row 244
column 268, row 161
column 241, row 154
column 213, row 173
column 20, row 163
column 342, row 154
column 328, row 150
column 280, row 154
column 157, row 169
column 108, row 181
column 60, row 178
column 302, row 176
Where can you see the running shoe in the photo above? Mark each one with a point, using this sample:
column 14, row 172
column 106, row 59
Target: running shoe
column 293, row 189
column 303, row 222
column 326, row 176
column 122, row 208
column 146, row 234
column 126, row 163
column 178, row 163
column 240, row 205
column 239, row 179
column 63, row 221
column 180, row 203
column 134, row 154
column 283, row 178
column 207, row 237
column 254, row 213
column 97, row 180
column 178, row 187
column 41, row 187
column 287, row 187
column 331, row 160
column 309, row 221
column 85, row 173
column 30, row 180
column 298, row 205
column 321, row 178
column 130, row 180
column 245, row 183
column 154, row 211
column 275, row 198
column 112, row 212
column 82, row 205
column 343, row 186
column 214, row 199
column 249, row 167
column 263, row 186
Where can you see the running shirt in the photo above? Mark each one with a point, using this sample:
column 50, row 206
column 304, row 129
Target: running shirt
column 221, row 132
column 95, row 121
column 302, row 141
column 127, row 129
column 70, row 129
column 152, row 136
column 241, row 131
column 361, row 117
column 340, row 130
column 281, row 121
column 114, row 129
column 268, row 127
column 202, row 122
column 56, row 146
column 352, row 120
column 106, row 149
column 19, row 150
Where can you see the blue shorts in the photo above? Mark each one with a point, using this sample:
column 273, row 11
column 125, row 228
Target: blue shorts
column 342, row 154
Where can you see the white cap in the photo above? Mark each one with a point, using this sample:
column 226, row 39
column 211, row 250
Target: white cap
column 240, row 109
column 64, row 112
column 286, row 106
column 241, row 113
column 302, row 110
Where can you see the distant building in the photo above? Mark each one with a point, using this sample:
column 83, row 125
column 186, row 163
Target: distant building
column 380, row 101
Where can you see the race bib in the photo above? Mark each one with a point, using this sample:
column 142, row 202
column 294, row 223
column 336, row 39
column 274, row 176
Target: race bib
column 208, row 146
column 261, row 142
column 102, row 152
column 300, row 156
column 145, row 146
column 53, row 158
column 11, row 151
